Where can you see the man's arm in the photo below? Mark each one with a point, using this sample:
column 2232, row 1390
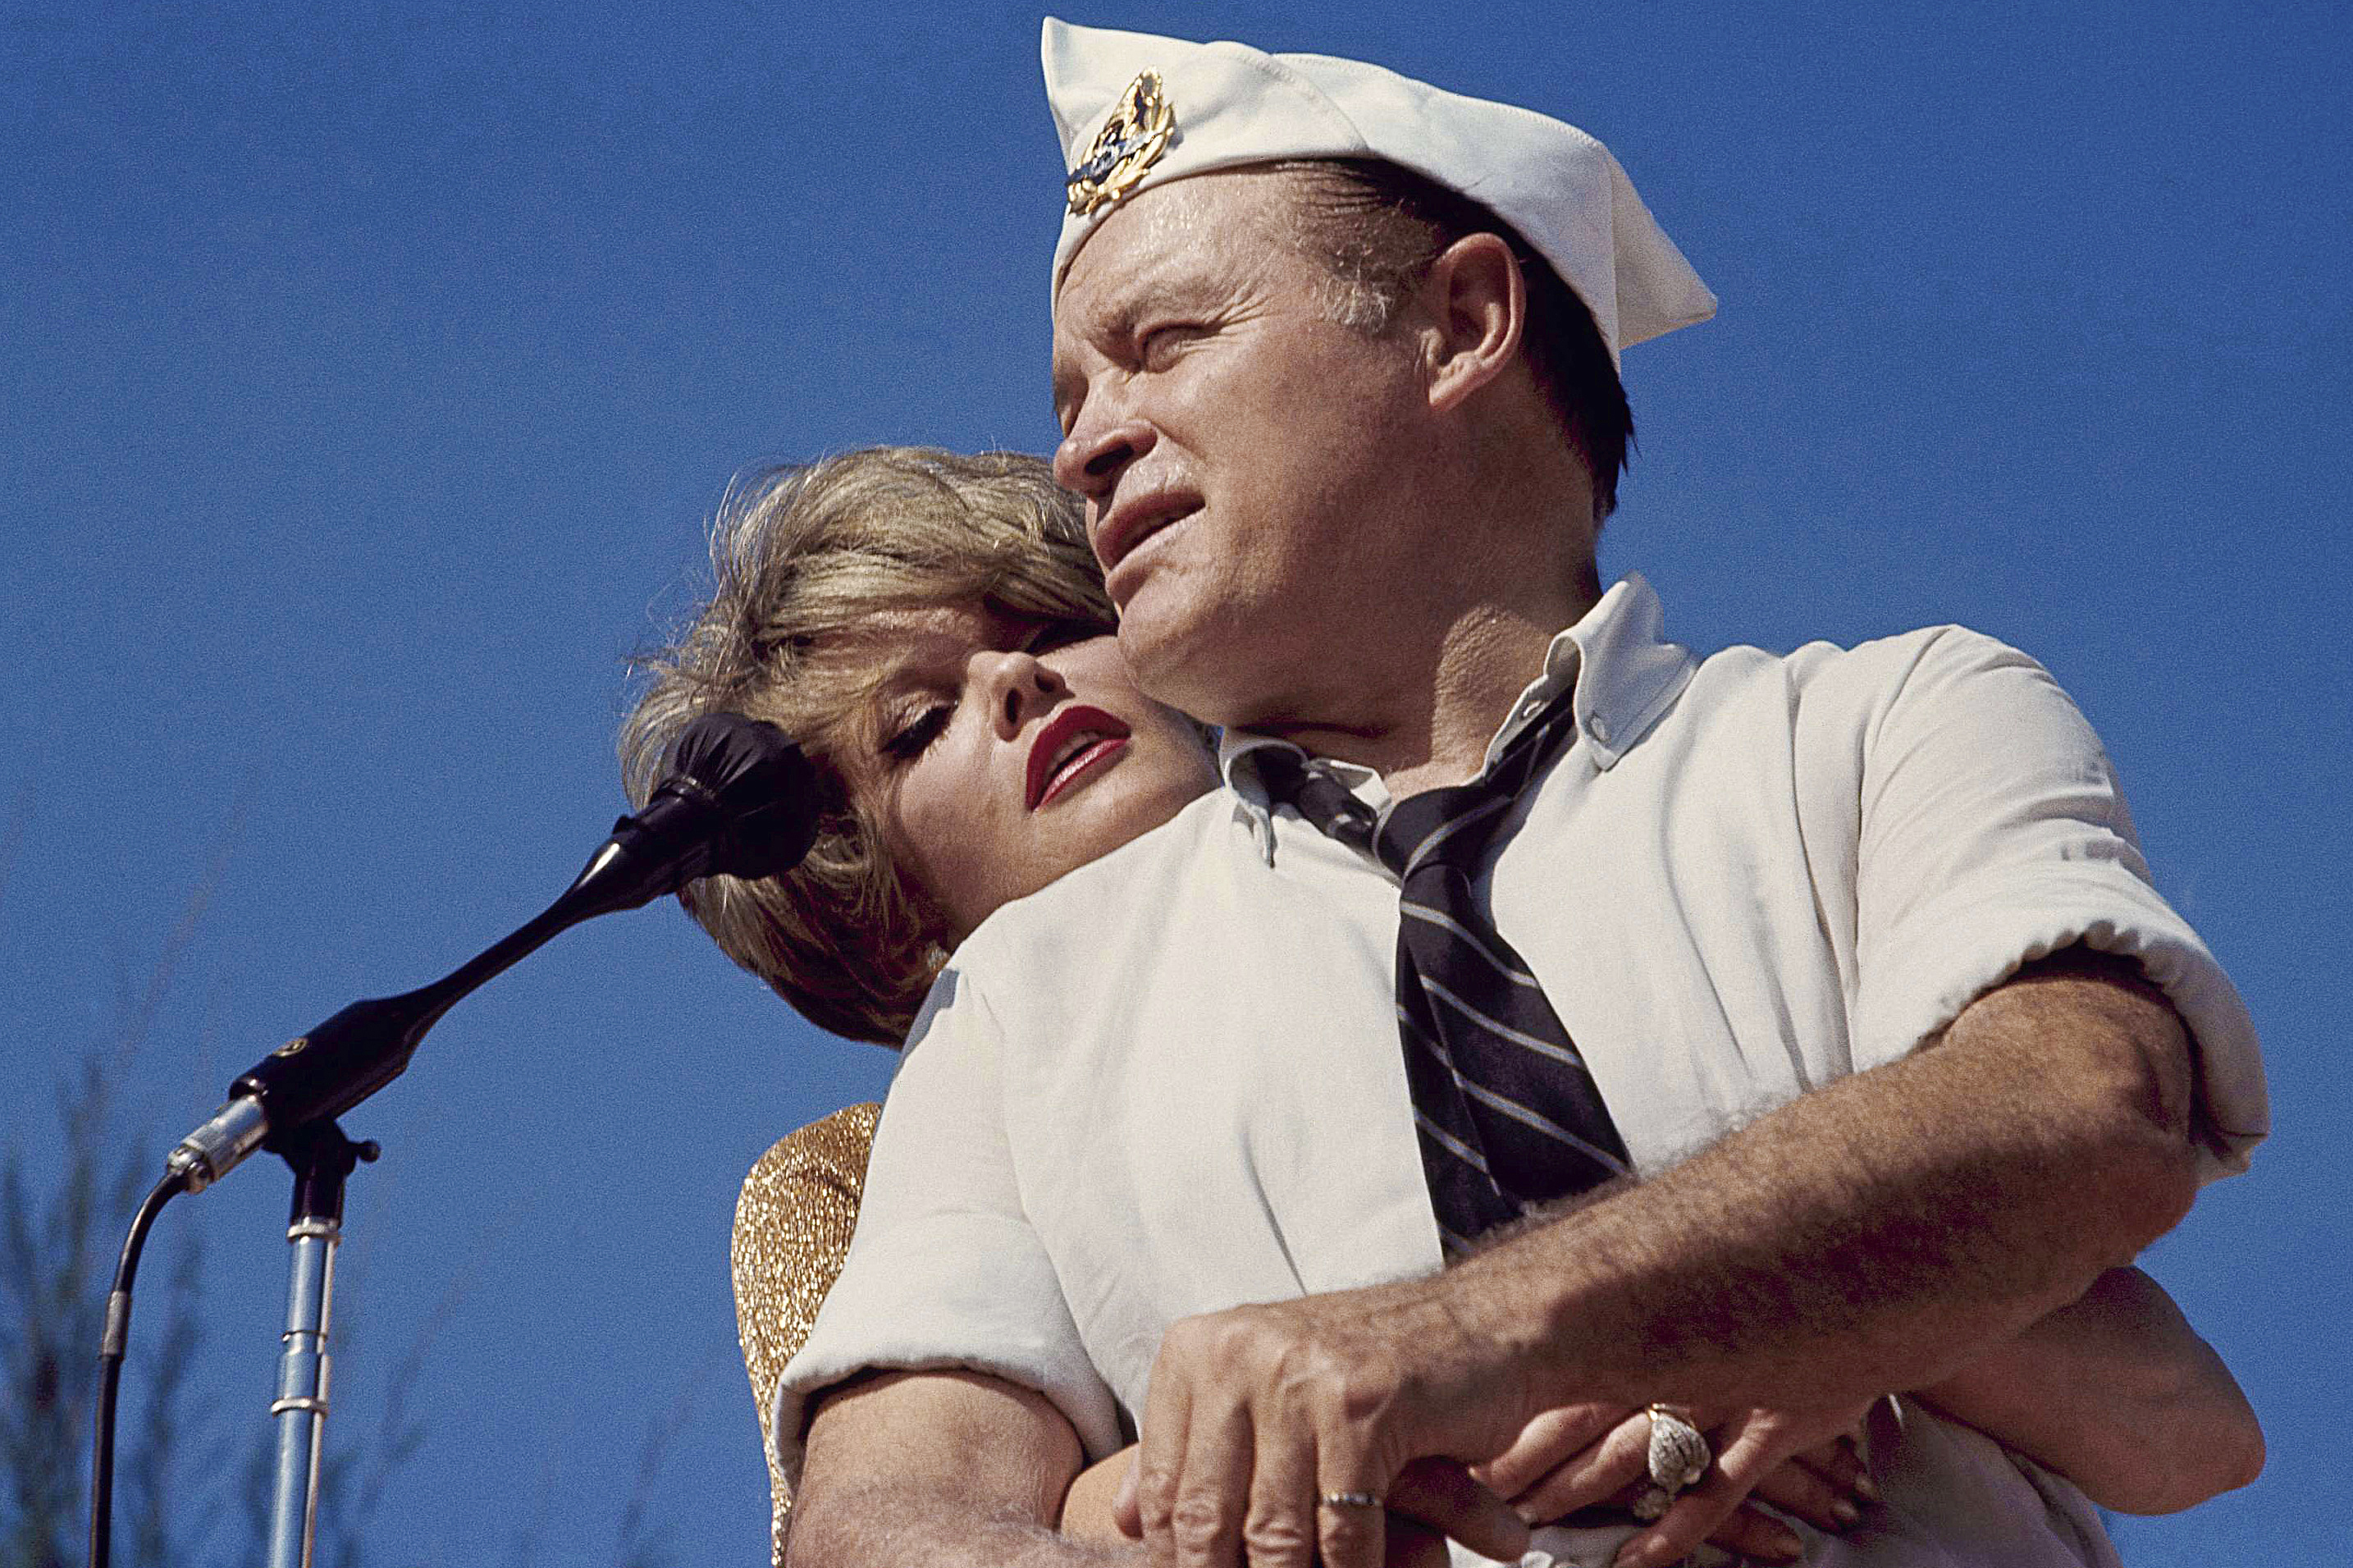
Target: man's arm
column 934, row 1470
column 1875, row 1234
column 942, row 1468
column 1871, row 1236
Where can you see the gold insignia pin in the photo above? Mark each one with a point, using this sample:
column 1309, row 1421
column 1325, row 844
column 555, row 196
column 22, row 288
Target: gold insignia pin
column 1131, row 142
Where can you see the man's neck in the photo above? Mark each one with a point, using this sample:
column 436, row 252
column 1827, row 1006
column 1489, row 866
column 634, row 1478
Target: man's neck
column 1430, row 732
column 1426, row 680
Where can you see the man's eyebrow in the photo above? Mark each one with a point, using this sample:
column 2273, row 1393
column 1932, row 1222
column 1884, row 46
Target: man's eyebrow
column 1187, row 293
column 1116, row 320
column 1157, row 288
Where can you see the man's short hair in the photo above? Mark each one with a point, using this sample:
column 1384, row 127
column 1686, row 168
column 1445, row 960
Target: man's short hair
column 1377, row 228
column 802, row 556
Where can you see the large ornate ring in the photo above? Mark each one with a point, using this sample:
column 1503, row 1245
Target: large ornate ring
column 1350, row 1499
column 1679, row 1456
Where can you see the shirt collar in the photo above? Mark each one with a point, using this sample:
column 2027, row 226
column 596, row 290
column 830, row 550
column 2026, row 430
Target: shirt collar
column 1622, row 673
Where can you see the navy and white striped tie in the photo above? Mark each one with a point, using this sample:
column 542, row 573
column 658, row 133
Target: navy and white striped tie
column 1507, row 1113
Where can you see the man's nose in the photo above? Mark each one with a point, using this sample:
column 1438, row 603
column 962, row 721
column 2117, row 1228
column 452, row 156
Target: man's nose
column 1018, row 687
column 1093, row 456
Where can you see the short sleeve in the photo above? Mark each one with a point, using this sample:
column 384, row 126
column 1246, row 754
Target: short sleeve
column 944, row 1271
column 1993, row 834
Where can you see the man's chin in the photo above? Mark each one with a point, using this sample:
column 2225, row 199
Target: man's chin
column 1188, row 663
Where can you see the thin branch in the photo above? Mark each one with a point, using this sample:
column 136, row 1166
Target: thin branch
column 184, row 930
column 12, row 837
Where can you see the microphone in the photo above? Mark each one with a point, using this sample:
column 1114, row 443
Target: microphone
column 741, row 800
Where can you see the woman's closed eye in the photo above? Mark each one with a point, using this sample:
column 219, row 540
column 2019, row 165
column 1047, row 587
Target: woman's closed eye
column 910, row 732
column 915, row 733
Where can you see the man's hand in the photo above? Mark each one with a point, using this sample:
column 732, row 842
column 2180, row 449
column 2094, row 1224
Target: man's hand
column 2039, row 1140
column 1259, row 1414
column 1427, row 1485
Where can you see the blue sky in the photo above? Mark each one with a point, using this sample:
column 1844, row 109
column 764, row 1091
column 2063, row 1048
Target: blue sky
column 371, row 372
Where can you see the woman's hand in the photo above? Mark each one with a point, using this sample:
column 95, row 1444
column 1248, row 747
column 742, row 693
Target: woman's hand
column 1581, row 1456
column 1090, row 1509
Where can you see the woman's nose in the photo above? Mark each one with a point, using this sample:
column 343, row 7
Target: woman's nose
column 1019, row 687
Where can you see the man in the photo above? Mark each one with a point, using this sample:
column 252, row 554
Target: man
column 1865, row 929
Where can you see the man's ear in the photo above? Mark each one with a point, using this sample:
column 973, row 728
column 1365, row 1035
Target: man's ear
column 1475, row 306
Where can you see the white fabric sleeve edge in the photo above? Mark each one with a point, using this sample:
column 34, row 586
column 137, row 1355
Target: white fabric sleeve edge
column 893, row 1332
column 2056, row 912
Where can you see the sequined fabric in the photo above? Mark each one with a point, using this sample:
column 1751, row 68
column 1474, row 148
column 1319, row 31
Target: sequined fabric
column 792, row 1231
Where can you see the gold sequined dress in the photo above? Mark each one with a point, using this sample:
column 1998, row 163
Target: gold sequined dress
column 792, row 1231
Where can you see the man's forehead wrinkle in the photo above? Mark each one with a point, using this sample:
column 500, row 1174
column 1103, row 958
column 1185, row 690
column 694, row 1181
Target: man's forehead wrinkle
column 1170, row 248
column 1172, row 279
column 1147, row 239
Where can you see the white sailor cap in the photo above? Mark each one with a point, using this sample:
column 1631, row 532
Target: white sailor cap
column 1136, row 111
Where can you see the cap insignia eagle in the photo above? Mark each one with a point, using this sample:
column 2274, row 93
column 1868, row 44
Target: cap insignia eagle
column 1131, row 142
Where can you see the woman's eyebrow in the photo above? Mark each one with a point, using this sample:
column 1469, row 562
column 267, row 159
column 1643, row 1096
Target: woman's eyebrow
column 926, row 658
column 902, row 671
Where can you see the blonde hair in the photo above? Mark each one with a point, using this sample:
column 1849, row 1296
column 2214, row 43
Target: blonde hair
column 803, row 555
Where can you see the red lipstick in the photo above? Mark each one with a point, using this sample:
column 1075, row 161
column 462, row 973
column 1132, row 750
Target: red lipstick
column 1073, row 741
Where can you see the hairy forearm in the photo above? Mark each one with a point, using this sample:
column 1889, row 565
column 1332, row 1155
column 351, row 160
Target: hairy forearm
column 1875, row 1234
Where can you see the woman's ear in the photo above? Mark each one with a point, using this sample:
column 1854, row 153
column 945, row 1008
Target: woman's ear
column 1475, row 307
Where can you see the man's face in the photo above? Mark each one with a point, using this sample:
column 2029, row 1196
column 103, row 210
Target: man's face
column 1248, row 464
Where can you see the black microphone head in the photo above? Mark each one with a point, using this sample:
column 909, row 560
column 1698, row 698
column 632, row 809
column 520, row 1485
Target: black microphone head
column 761, row 786
column 740, row 799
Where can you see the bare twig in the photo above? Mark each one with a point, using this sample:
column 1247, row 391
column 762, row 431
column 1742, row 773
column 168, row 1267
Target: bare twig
column 12, row 837
column 150, row 1002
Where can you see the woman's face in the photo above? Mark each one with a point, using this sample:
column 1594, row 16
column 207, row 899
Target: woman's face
column 1003, row 752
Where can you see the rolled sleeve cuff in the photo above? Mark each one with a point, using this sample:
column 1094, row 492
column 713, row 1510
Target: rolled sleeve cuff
column 1948, row 954
column 950, row 1292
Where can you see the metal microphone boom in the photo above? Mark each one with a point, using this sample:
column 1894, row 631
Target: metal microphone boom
column 741, row 800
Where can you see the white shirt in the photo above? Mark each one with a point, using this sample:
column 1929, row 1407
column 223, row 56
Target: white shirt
column 1171, row 1082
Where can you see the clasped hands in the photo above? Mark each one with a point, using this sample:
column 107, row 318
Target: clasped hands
column 1261, row 1417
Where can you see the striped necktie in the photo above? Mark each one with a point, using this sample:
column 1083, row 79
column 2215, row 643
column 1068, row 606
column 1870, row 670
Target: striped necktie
column 1506, row 1112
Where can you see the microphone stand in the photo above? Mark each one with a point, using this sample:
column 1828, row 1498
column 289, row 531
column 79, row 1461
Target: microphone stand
column 322, row 1158
column 359, row 1050
column 742, row 800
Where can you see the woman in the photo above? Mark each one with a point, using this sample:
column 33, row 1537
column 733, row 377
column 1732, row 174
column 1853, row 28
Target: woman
column 933, row 630
column 848, row 594
column 851, row 595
